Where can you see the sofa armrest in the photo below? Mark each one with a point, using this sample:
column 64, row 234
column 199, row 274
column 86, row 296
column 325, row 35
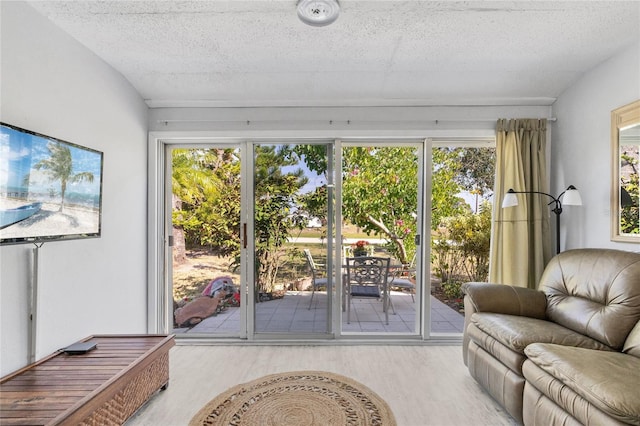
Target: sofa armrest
column 504, row 299
column 499, row 299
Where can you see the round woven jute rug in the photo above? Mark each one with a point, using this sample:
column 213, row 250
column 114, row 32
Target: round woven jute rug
column 297, row 398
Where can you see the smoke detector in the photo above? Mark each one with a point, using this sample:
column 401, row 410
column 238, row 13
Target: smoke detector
column 318, row 13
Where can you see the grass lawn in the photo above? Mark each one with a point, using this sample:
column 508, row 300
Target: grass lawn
column 348, row 231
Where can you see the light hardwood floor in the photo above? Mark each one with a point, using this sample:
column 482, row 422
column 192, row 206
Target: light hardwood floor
column 423, row 385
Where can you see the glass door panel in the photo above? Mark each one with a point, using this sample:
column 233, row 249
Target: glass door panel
column 205, row 228
column 292, row 237
column 462, row 184
column 380, row 218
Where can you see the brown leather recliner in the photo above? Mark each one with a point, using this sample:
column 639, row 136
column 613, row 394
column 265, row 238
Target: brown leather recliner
column 560, row 340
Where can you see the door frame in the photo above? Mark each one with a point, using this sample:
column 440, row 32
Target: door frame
column 159, row 306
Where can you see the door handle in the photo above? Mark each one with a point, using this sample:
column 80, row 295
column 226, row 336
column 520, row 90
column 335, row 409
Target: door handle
column 244, row 235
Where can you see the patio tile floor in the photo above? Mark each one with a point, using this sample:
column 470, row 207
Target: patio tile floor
column 291, row 315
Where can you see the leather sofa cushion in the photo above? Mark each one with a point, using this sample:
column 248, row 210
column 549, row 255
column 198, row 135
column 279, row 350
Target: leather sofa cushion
column 516, row 332
column 558, row 404
column 632, row 344
column 595, row 292
column 506, row 336
column 608, row 380
column 507, row 356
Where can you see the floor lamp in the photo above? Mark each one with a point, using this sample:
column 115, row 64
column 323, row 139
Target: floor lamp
column 571, row 198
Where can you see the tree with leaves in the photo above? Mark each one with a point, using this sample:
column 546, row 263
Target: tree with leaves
column 206, row 200
column 59, row 166
column 445, row 188
column 630, row 182
column 380, row 195
column 206, row 183
column 275, row 212
column 475, row 169
column 380, row 191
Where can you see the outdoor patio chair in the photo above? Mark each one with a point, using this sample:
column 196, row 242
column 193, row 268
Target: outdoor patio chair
column 318, row 276
column 401, row 277
column 367, row 277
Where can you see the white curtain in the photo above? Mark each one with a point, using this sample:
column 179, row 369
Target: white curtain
column 520, row 236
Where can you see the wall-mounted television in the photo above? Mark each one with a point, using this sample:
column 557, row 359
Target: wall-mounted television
column 50, row 189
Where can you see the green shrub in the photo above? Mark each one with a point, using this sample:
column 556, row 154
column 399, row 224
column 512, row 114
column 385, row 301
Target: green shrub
column 461, row 246
column 452, row 289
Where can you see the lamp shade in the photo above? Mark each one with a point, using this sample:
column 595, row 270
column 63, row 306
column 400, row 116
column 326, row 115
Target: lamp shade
column 510, row 199
column 572, row 197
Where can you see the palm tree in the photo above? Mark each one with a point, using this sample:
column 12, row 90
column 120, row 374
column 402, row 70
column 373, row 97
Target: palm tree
column 193, row 183
column 59, row 166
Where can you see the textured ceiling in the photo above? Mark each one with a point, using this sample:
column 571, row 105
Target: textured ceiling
column 257, row 53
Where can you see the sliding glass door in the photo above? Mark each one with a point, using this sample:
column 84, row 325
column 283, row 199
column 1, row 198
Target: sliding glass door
column 462, row 174
column 206, row 278
column 382, row 216
column 292, row 230
column 261, row 231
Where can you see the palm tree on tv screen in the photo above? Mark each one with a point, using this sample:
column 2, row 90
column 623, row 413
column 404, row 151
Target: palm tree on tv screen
column 59, row 166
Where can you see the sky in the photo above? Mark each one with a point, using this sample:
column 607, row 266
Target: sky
column 20, row 151
column 315, row 180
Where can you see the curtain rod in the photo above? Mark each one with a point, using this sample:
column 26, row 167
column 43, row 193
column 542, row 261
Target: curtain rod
column 348, row 122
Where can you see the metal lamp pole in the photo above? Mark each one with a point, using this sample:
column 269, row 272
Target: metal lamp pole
column 511, row 200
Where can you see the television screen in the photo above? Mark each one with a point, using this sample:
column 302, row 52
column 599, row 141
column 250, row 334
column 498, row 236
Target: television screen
column 50, row 189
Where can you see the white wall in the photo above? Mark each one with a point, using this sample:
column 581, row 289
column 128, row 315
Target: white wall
column 53, row 85
column 581, row 152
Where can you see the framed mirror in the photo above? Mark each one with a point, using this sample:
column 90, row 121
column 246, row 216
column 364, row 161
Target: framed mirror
column 625, row 162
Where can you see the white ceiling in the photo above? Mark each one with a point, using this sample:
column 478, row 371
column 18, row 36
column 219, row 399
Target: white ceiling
column 257, row 53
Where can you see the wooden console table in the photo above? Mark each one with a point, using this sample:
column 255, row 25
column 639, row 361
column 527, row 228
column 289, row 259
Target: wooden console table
column 102, row 387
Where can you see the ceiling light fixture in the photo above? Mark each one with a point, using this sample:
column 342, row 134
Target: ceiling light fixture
column 318, row 13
